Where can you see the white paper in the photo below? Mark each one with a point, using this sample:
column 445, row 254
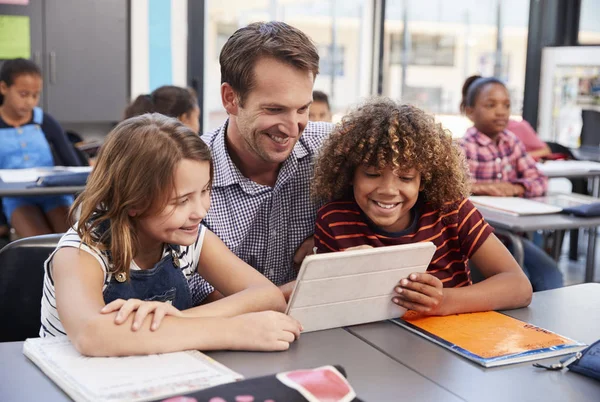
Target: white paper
column 554, row 168
column 32, row 174
column 514, row 205
column 133, row 378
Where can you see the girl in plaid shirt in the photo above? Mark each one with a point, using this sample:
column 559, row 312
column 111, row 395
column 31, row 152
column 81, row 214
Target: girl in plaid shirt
column 500, row 166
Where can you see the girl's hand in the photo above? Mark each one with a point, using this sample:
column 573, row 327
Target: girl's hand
column 142, row 309
column 420, row 292
column 264, row 331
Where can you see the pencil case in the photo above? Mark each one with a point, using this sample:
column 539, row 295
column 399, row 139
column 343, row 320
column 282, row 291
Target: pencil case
column 63, row 179
column 592, row 209
column 586, row 362
column 327, row 383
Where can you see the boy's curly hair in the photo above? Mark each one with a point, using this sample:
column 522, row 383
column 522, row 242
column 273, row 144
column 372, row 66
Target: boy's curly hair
column 382, row 132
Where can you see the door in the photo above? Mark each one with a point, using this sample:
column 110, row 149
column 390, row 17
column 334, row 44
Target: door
column 87, row 58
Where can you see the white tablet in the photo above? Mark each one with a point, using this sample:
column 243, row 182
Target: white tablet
column 354, row 287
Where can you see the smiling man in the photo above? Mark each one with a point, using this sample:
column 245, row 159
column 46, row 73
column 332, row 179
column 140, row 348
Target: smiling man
column 263, row 154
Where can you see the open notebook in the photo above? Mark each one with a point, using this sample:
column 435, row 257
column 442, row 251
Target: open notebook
column 354, row 287
column 549, row 204
column 133, row 378
column 490, row 338
column 515, row 205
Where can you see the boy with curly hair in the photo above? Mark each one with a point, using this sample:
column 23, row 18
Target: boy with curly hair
column 390, row 175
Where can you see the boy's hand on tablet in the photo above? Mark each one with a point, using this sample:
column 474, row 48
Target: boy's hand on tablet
column 306, row 248
column 420, row 292
column 141, row 308
column 264, row 331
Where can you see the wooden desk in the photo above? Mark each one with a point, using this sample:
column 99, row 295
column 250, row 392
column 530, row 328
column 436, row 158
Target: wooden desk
column 571, row 311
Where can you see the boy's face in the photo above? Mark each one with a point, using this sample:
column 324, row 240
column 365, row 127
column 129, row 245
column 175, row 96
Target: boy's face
column 275, row 111
column 319, row 111
column 23, row 95
column 491, row 111
column 385, row 197
column 178, row 222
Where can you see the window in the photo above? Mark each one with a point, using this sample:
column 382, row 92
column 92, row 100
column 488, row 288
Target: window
column 448, row 41
column 425, row 49
column 589, row 22
column 345, row 25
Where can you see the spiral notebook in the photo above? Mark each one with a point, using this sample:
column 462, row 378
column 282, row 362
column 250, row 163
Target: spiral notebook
column 132, row 378
column 490, row 338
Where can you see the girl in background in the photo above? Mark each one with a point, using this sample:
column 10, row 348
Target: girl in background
column 171, row 101
column 500, row 166
column 27, row 138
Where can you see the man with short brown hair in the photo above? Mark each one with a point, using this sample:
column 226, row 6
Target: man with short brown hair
column 263, row 153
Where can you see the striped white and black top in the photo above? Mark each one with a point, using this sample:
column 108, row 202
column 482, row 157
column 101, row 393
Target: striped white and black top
column 188, row 257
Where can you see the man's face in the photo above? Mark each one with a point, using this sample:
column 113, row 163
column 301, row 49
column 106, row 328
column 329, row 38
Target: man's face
column 275, row 111
column 319, row 111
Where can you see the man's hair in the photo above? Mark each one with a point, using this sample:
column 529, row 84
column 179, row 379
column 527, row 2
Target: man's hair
column 274, row 39
column 320, row 96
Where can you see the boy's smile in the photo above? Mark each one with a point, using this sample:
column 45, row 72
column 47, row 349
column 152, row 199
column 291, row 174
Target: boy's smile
column 385, row 197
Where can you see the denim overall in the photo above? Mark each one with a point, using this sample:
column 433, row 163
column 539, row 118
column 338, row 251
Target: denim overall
column 164, row 282
column 27, row 147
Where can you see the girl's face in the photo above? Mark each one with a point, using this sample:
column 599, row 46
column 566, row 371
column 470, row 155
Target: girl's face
column 22, row 96
column 178, row 222
column 385, row 197
column 491, row 111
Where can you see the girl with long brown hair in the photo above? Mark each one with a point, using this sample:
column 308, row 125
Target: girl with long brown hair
column 118, row 282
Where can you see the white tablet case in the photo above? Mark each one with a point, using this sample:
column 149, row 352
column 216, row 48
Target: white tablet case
column 354, row 287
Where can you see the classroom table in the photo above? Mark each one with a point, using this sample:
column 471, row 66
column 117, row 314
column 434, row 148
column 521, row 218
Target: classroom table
column 373, row 375
column 509, row 224
column 21, row 182
column 27, row 189
column 571, row 311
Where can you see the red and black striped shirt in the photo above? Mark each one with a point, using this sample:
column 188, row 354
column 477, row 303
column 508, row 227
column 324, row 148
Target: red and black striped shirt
column 457, row 234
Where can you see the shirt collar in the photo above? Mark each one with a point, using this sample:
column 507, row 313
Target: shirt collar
column 227, row 173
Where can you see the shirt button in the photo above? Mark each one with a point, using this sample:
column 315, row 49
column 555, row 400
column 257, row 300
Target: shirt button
column 271, row 272
column 498, row 160
column 499, row 175
column 26, row 157
column 23, row 144
column 19, row 131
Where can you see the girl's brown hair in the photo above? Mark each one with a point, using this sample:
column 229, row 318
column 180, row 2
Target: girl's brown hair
column 382, row 133
column 134, row 171
column 169, row 100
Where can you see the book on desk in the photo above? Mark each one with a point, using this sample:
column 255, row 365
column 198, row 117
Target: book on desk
column 132, row 378
column 489, row 338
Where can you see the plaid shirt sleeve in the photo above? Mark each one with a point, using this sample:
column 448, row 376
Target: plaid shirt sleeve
column 528, row 175
column 470, row 152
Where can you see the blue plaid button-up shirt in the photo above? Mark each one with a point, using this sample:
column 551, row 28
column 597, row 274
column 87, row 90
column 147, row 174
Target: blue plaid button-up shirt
column 265, row 225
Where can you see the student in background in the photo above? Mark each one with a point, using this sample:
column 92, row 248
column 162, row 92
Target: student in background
column 320, row 109
column 522, row 129
column 500, row 166
column 390, row 175
column 117, row 283
column 27, row 137
column 171, row 101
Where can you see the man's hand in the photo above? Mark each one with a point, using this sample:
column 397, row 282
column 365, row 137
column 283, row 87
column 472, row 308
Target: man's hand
column 306, row 248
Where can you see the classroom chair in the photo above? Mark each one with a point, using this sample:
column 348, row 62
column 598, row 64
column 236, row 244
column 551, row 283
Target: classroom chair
column 21, row 282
